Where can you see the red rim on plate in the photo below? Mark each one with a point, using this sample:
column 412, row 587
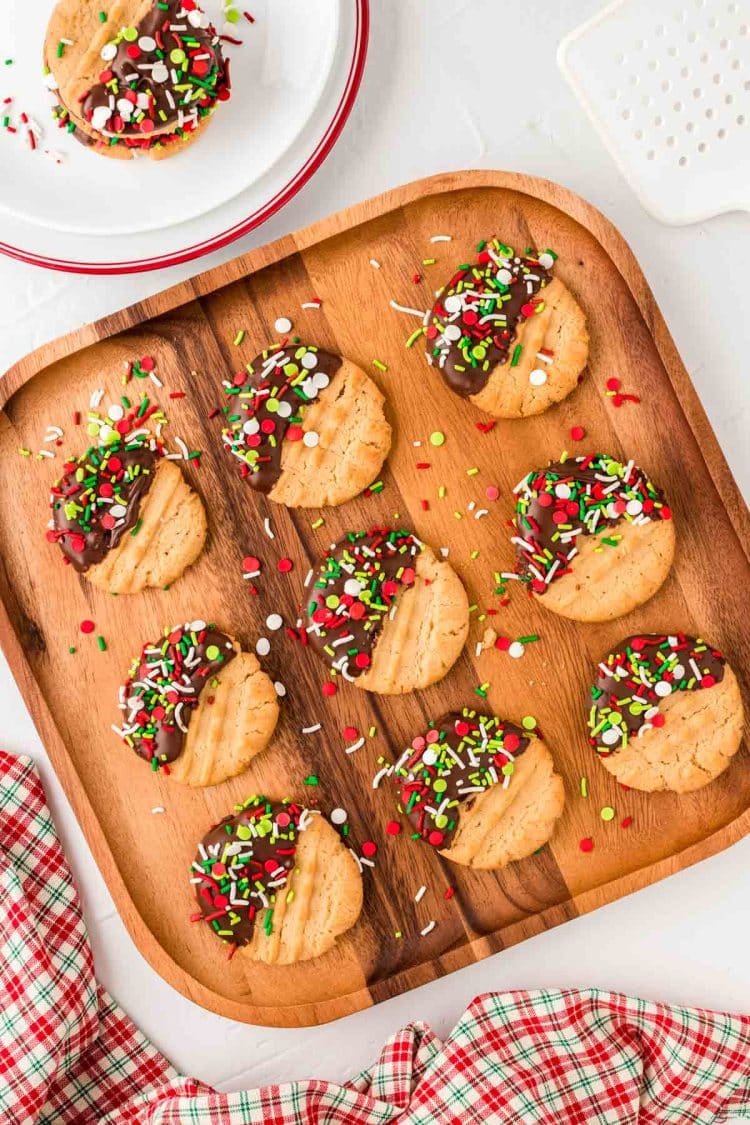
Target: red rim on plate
column 279, row 200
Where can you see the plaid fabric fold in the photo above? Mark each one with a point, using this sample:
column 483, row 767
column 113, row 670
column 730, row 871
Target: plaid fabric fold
column 70, row 1056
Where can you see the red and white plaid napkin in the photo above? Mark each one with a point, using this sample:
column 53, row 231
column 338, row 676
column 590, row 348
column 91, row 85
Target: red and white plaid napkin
column 70, row 1056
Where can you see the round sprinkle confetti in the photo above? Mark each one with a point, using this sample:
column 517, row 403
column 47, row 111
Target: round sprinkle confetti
column 369, row 849
column 328, row 688
column 274, row 621
column 393, row 828
column 285, row 565
column 339, row 816
column 607, row 813
column 613, row 384
column 263, row 646
column 528, row 722
column 87, row 626
column 250, row 564
column 437, row 438
column 350, row 733
column 283, row 325
column 538, row 377
column 516, row 650
column 279, row 688
column 586, row 844
column 577, row 433
column 492, row 492
column 311, row 439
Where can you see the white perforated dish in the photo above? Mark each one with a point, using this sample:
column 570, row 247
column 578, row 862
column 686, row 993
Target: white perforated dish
column 667, row 85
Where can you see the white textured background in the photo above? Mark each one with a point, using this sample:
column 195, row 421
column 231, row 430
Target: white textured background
column 454, row 84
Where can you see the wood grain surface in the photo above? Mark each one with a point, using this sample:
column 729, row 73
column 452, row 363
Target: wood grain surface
column 190, row 330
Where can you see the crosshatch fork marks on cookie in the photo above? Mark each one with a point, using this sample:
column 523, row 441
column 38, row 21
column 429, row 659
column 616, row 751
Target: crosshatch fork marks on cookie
column 191, row 329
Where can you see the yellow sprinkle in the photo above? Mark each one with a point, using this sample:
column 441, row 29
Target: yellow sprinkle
column 442, row 491
column 317, row 523
column 25, row 452
column 458, row 515
column 475, row 554
column 472, row 472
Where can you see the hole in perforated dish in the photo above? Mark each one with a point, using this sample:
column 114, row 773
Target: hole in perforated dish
column 697, row 92
column 682, row 161
column 650, row 155
column 740, row 119
column 685, row 72
column 721, row 134
column 634, row 80
column 626, row 115
column 661, row 30
column 677, row 107
column 702, row 146
column 672, row 51
column 642, row 44
column 728, row 99
column 653, row 64
column 746, row 85
column 646, row 99
column 736, row 64
column 716, row 79
column 743, row 29
column 709, row 113
column 670, row 142
column 724, row 43
column 690, row 127
column 693, row 37
column 638, row 134
column 620, row 58
column 705, row 56
column 658, row 120
column 666, row 85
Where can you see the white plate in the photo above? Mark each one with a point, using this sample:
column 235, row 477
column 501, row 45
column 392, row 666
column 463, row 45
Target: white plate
column 294, row 82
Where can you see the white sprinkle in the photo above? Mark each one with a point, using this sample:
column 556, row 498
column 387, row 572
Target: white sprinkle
column 375, row 263
column 274, row 621
column 663, row 689
column 428, row 928
column 283, row 325
column 96, row 398
column 516, row 650
column 311, row 439
column 420, row 893
column 429, row 757
column 538, row 378
column 262, row 646
column 354, row 746
column 406, row 309
column 267, row 528
column 339, row 816
column 546, row 261
column 610, row 736
column 441, row 238
column 311, row 305
column 158, row 809
column 444, row 551
column 279, row 688
column 311, row 730
column 481, row 512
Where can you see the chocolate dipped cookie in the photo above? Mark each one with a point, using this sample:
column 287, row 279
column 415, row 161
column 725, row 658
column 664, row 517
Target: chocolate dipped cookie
column 594, row 536
column 125, row 517
column 386, row 613
column 506, row 334
column 666, row 713
column 481, row 790
column 196, row 706
column 275, row 881
column 308, row 427
column 139, row 77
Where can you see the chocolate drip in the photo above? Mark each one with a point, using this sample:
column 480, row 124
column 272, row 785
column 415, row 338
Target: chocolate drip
column 243, row 863
column 582, row 496
column 162, row 76
column 475, row 319
column 268, row 406
column 165, row 685
column 633, row 682
column 114, row 479
column 356, row 589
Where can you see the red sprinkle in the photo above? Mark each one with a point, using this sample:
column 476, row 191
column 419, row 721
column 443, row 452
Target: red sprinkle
column 87, row 626
column 449, row 892
column 285, row 565
column 586, row 844
column 577, row 433
column 393, row 828
column 250, row 564
column 329, row 688
column 369, row 849
column 626, row 822
column 350, row 733
column 613, row 384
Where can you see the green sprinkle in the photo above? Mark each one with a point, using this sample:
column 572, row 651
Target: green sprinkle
column 584, row 787
column 311, row 780
column 268, row 922
column 415, row 336
column 380, row 365
column 516, row 355
column 528, row 722
column 239, row 337
column 529, row 640
column 607, row 813
column 72, row 649
column 139, row 521
column 102, row 644
column 102, row 17
column 437, row 438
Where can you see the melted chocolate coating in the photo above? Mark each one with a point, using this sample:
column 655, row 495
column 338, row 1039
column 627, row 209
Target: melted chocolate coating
column 461, row 756
column 167, row 52
column 164, row 687
column 288, row 378
column 645, row 670
column 579, row 496
column 82, row 538
column 381, row 563
column 475, row 319
column 243, row 862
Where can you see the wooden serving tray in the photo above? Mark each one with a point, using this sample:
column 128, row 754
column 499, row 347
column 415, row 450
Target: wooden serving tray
column 190, row 329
